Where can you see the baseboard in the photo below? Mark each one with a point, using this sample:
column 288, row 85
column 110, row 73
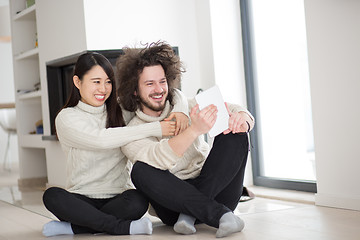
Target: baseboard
column 338, row 201
column 283, row 194
column 31, row 183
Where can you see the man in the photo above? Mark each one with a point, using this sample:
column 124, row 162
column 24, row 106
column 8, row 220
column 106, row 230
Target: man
column 183, row 180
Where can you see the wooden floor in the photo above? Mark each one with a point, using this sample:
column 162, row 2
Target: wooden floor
column 22, row 216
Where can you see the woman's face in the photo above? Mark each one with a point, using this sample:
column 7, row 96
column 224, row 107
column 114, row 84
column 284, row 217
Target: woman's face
column 95, row 87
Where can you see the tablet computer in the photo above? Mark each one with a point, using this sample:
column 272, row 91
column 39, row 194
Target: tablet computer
column 213, row 96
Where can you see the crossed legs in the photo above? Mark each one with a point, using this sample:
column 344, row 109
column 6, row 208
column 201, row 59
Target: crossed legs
column 86, row 215
column 207, row 198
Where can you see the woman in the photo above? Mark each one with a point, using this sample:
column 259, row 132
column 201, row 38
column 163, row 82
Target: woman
column 99, row 195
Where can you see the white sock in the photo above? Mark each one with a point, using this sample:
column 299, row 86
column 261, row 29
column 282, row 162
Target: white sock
column 229, row 223
column 185, row 224
column 54, row 228
column 141, row 226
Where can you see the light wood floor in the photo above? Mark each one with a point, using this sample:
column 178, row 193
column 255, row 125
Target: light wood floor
column 22, row 216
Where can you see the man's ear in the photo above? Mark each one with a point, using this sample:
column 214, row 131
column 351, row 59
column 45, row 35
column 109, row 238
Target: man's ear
column 76, row 81
column 135, row 93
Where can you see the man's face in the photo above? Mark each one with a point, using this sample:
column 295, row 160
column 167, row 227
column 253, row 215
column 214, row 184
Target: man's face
column 153, row 90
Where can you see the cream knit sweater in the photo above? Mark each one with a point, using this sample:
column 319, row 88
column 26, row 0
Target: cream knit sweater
column 156, row 151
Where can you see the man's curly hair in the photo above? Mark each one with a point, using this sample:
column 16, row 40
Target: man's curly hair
column 130, row 65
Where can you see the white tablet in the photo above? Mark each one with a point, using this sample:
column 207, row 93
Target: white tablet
column 213, row 96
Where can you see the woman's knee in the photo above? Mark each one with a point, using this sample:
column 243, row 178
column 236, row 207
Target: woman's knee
column 139, row 204
column 51, row 196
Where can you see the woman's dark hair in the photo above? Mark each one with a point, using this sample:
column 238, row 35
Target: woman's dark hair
column 84, row 63
column 130, row 65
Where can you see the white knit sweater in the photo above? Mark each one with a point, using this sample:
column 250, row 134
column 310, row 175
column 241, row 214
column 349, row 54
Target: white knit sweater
column 156, row 151
column 95, row 165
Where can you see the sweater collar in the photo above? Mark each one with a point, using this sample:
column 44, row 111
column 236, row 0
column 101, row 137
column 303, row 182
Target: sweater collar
column 148, row 118
column 91, row 109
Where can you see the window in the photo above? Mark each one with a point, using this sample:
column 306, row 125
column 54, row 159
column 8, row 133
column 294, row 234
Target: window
column 278, row 90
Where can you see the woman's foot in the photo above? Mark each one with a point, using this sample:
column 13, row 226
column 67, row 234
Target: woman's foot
column 54, row 228
column 141, row 226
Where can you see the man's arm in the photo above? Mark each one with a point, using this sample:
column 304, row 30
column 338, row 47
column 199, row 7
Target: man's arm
column 201, row 122
column 150, row 150
column 164, row 154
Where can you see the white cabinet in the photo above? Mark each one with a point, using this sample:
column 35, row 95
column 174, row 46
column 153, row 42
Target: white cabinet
column 28, row 93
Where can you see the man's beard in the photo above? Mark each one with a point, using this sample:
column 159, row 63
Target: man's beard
column 154, row 107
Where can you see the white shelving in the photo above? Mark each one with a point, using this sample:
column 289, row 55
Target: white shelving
column 27, row 13
column 26, row 77
column 32, row 53
column 30, row 95
column 31, row 141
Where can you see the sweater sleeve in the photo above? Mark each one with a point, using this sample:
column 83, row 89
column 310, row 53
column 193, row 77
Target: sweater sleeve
column 180, row 103
column 78, row 132
column 150, row 150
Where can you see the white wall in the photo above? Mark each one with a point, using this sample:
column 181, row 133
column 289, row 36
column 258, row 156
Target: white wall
column 334, row 63
column 113, row 24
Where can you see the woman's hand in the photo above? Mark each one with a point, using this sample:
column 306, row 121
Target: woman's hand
column 168, row 128
column 182, row 121
column 238, row 122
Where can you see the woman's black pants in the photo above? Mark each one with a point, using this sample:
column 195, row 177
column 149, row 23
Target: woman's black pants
column 216, row 191
column 89, row 215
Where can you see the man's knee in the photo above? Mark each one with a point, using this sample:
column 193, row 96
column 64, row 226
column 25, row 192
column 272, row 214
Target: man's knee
column 138, row 172
column 234, row 140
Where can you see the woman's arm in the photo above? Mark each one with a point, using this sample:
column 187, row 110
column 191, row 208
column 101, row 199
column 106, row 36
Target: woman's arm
column 179, row 112
column 180, row 103
column 77, row 131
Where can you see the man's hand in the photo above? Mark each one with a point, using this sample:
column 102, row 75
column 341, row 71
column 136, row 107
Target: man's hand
column 238, row 122
column 182, row 121
column 168, row 128
column 203, row 121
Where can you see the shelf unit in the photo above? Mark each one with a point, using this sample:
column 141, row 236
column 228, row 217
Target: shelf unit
column 31, row 141
column 32, row 53
column 30, row 95
column 32, row 161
